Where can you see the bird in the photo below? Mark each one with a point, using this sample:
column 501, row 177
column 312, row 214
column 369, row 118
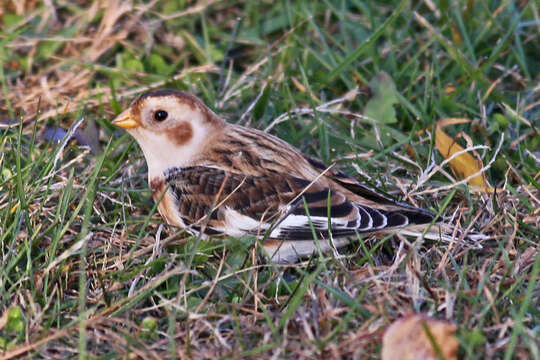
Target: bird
column 211, row 178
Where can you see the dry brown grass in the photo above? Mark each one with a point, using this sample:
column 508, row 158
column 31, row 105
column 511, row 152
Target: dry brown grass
column 93, row 280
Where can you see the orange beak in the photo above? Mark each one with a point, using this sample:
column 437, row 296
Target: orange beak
column 125, row 120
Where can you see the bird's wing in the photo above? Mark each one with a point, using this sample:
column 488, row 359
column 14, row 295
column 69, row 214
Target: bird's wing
column 256, row 153
column 212, row 200
column 413, row 214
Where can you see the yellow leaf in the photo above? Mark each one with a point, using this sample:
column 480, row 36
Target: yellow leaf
column 464, row 164
column 299, row 86
column 14, row 208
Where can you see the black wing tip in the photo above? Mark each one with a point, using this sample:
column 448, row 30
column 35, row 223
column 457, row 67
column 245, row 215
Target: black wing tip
column 420, row 216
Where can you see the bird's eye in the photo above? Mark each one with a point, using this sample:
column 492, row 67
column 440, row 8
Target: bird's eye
column 160, row 115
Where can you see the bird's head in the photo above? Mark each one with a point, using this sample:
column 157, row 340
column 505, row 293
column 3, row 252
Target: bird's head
column 171, row 127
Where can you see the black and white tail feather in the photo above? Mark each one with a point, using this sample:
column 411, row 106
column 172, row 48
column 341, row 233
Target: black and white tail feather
column 412, row 222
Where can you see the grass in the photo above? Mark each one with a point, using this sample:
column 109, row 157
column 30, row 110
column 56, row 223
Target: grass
column 88, row 271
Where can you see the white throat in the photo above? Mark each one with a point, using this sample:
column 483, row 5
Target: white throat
column 162, row 153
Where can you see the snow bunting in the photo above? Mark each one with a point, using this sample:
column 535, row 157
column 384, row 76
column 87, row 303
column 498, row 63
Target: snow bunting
column 211, row 177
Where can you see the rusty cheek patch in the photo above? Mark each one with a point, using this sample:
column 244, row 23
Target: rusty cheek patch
column 181, row 134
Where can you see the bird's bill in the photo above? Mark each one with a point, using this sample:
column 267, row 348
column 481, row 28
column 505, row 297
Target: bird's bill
column 125, row 120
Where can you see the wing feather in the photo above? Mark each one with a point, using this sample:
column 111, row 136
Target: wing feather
column 403, row 214
column 236, row 203
column 212, row 200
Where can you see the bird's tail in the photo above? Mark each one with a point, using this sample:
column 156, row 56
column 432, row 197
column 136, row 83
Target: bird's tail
column 446, row 233
column 418, row 223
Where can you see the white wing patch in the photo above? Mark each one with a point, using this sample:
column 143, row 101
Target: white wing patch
column 237, row 224
column 303, row 222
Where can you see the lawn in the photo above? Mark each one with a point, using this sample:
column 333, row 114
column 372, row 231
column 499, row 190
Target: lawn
column 89, row 271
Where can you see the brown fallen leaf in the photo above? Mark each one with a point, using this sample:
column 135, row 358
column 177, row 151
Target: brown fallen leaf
column 464, row 164
column 409, row 339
